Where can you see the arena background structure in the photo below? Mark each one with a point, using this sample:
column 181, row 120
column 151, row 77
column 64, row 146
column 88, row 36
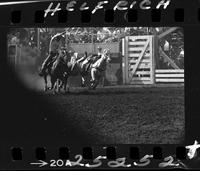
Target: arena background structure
column 139, row 55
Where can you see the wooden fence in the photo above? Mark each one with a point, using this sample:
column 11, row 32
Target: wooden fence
column 138, row 60
column 169, row 76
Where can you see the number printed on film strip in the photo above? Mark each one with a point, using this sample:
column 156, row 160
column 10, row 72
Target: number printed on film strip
column 99, row 84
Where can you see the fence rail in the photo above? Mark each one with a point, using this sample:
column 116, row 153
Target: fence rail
column 169, row 76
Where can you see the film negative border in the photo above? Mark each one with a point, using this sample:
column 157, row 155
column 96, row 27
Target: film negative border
column 159, row 12
column 175, row 14
column 109, row 16
column 109, row 156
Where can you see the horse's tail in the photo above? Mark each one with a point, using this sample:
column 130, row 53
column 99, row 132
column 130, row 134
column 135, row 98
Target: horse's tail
column 41, row 73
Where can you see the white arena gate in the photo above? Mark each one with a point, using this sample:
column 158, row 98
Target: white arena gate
column 138, row 52
column 139, row 62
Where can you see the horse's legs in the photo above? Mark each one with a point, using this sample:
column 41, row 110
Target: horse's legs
column 93, row 70
column 93, row 78
column 56, row 86
column 102, row 78
column 66, row 87
column 82, row 81
column 46, row 83
column 59, row 85
column 53, row 85
column 95, row 83
column 102, row 81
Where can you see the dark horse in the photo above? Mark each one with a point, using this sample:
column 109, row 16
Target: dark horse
column 59, row 59
column 62, row 69
column 58, row 71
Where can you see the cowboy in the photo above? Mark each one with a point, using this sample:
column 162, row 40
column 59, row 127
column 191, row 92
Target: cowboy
column 99, row 51
column 98, row 55
column 103, row 54
column 74, row 56
column 86, row 59
column 100, row 66
column 55, row 45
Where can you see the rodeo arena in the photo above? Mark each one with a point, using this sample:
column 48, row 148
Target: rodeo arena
column 119, row 85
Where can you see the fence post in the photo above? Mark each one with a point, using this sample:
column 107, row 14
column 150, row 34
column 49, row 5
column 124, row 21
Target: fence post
column 93, row 45
column 126, row 60
column 123, row 61
column 155, row 55
column 38, row 38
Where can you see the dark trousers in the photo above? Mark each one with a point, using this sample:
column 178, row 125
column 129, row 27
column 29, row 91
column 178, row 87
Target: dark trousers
column 48, row 61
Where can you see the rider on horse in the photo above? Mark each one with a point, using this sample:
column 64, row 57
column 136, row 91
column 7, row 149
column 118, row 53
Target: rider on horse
column 74, row 56
column 55, row 45
column 87, row 59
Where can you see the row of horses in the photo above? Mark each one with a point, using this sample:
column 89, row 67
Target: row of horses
column 63, row 68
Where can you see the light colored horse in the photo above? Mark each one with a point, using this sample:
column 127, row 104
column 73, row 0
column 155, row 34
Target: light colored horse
column 99, row 67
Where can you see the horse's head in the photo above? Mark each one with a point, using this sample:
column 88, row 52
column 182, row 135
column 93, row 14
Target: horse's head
column 66, row 55
column 86, row 54
column 63, row 55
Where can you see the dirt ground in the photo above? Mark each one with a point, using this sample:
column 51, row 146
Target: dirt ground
column 134, row 115
column 108, row 115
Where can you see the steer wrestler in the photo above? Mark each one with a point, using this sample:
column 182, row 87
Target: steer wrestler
column 56, row 42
